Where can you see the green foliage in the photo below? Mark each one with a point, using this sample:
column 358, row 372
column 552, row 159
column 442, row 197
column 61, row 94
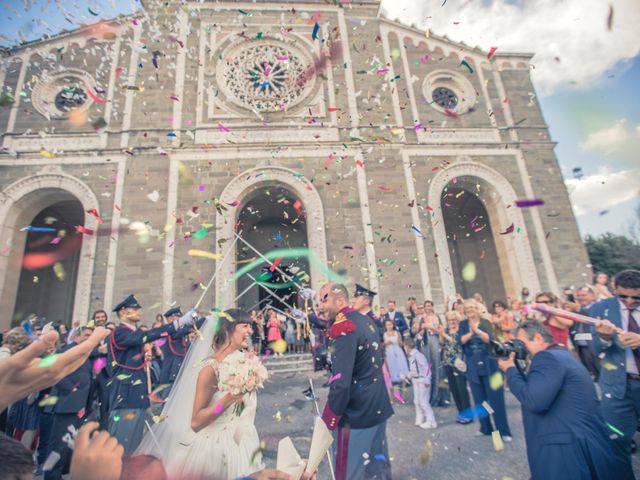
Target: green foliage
column 611, row 253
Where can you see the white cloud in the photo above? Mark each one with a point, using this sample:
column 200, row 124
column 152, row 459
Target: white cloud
column 607, row 139
column 570, row 39
column 603, row 190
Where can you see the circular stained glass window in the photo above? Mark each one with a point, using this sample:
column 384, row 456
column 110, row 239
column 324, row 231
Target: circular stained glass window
column 70, row 97
column 445, row 97
column 266, row 76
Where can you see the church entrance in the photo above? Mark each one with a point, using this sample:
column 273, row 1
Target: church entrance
column 476, row 266
column 272, row 217
column 49, row 267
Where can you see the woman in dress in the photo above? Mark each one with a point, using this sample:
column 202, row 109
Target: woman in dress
column 502, row 321
column 454, row 366
column 600, row 285
column 395, row 357
column 273, row 328
column 212, row 441
column 431, row 322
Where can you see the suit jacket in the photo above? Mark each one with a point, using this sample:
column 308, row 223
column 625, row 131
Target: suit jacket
column 358, row 397
column 398, row 320
column 73, row 390
column 612, row 381
column 476, row 352
column 564, row 429
column 126, row 364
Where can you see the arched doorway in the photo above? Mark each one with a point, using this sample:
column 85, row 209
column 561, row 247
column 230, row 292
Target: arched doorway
column 271, row 217
column 243, row 188
column 474, row 256
column 497, row 196
column 47, row 282
column 20, row 204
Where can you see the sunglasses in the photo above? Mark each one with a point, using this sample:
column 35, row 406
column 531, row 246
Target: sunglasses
column 632, row 297
column 546, row 302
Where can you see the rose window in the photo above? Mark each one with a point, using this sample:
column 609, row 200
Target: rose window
column 70, row 97
column 265, row 76
column 445, row 97
column 56, row 94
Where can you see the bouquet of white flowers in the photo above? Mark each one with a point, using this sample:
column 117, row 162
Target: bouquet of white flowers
column 242, row 374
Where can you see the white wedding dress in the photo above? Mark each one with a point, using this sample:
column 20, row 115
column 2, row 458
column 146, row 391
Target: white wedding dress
column 227, row 449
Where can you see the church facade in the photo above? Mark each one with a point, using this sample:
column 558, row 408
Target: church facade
column 133, row 150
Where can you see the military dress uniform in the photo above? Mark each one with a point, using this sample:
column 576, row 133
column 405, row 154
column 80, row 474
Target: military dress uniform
column 129, row 388
column 358, row 405
column 173, row 352
column 72, row 393
column 379, row 322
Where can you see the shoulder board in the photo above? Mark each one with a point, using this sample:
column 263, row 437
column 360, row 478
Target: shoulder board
column 341, row 327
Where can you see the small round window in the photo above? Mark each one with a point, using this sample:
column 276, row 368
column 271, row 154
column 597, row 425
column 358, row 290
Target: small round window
column 445, row 97
column 57, row 93
column 70, row 97
column 448, row 91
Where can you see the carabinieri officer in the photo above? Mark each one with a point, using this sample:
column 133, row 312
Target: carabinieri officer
column 174, row 350
column 129, row 387
column 358, row 405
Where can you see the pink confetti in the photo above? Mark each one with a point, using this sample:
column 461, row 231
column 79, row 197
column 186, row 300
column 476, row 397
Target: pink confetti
column 55, row 241
column 222, row 128
column 174, row 97
column 337, row 376
column 505, row 99
column 217, row 409
column 81, row 413
column 398, row 396
column 99, row 364
column 202, row 188
column 492, row 50
column 235, row 203
column 424, row 58
column 382, row 70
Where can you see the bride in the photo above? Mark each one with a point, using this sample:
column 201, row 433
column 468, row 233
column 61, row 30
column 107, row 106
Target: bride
column 216, row 439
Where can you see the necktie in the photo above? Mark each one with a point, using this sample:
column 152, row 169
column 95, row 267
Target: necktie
column 633, row 327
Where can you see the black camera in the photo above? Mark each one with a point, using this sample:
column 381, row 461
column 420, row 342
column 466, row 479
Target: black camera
column 503, row 350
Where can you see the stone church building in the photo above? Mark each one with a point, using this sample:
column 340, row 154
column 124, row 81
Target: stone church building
column 133, row 149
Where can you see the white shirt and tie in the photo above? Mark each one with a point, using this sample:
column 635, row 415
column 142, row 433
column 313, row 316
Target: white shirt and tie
column 632, row 367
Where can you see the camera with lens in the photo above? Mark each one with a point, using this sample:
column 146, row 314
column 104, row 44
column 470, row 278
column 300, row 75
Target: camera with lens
column 504, row 349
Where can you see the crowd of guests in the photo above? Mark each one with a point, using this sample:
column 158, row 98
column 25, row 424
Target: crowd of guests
column 456, row 343
column 446, row 356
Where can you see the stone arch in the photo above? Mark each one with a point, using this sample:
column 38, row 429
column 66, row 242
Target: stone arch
column 237, row 190
column 19, row 203
column 516, row 256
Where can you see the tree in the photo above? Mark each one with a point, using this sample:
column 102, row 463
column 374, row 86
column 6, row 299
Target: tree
column 611, row 253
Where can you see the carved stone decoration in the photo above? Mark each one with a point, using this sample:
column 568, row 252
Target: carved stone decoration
column 446, row 91
column 266, row 75
column 57, row 94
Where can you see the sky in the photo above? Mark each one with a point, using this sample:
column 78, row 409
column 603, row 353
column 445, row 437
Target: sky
column 586, row 76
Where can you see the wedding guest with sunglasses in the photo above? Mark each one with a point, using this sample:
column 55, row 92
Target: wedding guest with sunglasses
column 618, row 344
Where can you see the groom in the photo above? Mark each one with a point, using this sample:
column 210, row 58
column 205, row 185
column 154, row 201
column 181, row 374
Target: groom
column 358, row 405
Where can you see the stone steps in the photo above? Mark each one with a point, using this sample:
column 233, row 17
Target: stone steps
column 289, row 363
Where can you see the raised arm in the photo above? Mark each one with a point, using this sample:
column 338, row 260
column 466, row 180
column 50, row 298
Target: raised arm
column 203, row 413
column 537, row 391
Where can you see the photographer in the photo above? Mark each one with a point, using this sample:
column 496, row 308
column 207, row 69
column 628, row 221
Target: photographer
column 565, row 433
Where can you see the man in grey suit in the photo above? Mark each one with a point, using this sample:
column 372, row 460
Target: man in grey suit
column 618, row 344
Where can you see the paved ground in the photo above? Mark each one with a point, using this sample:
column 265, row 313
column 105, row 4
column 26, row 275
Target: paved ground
column 456, row 452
